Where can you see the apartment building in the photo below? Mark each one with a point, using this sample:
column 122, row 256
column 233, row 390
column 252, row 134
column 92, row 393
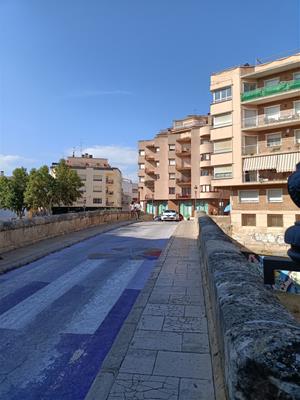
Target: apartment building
column 101, row 183
column 129, row 193
column 255, row 136
column 175, row 169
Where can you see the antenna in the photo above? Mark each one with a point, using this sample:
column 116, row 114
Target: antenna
column 73, row 154
column 258, row 61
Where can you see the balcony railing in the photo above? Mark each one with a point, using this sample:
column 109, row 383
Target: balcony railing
column 250, row 149
column 263, row 120
column 183, row 167
column 149, row 171
column 183, row 196
column 271, row 90
column 264, row 176
column 183, row 182
column 149, row 158
column 110, row 203
column 183, row 153
column 109, row 181
column 109, row 192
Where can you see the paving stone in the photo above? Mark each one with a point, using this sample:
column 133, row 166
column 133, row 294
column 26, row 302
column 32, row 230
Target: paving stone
column 196, row 389
column 185, row 299
column 171, row 310
column 140, row 387
column 194, row 311
column 138, row 361
column 183, row 365
column 151, row 322
column 157, row 298
column 195, row 342
column 157, row 340
column 185, row 324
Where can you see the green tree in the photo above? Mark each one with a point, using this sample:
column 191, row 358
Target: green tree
column 12, row 191
column 67, row 184
column 41, row 190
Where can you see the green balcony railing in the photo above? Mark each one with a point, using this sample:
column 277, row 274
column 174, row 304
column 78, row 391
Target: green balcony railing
column 270, row 90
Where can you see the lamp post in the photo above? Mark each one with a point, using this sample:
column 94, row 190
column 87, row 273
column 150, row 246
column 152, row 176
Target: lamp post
column 84, row 204
column 152, row 198
column 195, row 189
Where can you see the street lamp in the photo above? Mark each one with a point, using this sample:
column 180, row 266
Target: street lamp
column 195, row 189
column 152, row 198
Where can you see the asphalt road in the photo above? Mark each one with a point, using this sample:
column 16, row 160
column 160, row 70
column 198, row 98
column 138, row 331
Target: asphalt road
column 60, row 315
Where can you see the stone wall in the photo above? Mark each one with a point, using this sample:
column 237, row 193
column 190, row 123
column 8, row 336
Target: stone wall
column 258, row 338
column 19, row 233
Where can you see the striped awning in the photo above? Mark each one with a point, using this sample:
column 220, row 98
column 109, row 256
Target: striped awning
column 280, row 162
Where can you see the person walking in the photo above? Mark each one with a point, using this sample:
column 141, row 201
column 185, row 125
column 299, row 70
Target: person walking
column 132, row 209
column 138, row 210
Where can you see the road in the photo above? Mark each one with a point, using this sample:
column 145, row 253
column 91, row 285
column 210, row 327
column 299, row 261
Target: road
column 60, row 315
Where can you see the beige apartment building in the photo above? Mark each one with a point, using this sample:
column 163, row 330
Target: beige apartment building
column 101, row 183
column 175, row 169
column 255, row 136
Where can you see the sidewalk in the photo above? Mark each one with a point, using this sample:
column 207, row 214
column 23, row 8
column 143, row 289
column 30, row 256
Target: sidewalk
column 162, row 350
column 25, row 255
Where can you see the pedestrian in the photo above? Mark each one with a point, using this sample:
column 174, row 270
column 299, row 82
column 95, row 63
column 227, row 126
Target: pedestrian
column 138, row 210
column 132, row 209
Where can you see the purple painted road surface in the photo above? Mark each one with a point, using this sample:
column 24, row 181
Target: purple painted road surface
column 60, row 315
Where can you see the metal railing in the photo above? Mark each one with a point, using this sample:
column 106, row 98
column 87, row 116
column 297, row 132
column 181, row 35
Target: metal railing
column 282, row 87
column 264, row 119
column 264, row 176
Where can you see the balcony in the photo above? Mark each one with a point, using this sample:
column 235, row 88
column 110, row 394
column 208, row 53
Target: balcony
column 183, row 153
column 110, row 203
column 206, row 147
column 265, row 176
column 261, row 122
column 205, row 163
column 110, row 181
column 184, row 139
column 183, row 182
column 149, row 171
column 183, row 167
column 283, row 90
column 150, row 158
column 110, row 192
column 183, row 196
column 249, row 150
column 149, row 183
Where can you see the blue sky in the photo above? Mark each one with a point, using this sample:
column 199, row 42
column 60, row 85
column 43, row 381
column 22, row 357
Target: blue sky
column 102, row 74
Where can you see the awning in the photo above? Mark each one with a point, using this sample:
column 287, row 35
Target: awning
column 280, row 162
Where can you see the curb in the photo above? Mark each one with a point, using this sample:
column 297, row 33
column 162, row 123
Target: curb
column 108, row 372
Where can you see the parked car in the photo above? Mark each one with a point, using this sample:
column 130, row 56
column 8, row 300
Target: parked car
column 169, row 215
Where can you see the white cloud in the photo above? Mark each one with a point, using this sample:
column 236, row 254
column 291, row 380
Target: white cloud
column 123, row 157
column 95, row 93
column 9, row 162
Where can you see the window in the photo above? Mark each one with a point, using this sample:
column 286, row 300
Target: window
column 296, row 75
column 97, row 200
column 205, row 157
column 97, row 188
column 186, row 191
column 171, row 190
column 97, row 178
column 205, row 188
column 272, row 114
column 204, row 141
column 250, row 117
column 157, row 163
column 222, row 94
column 249, row 86
column 271, row 82
column 204, row 172
column 297, row 107
column 274, row 139
column 157, row 176
column 222, row 146
column 171, row 147
column 142, row 152
column 172, row 176
column 157, row 149
column 222, row 120
column 249, row 145
column 274, row 220
column 142, row 166
column 274, row 195
column 297, row 136
column 172, row 161
column 248, row 196
column 142, row 179
column 224, row 171
column 248, row 219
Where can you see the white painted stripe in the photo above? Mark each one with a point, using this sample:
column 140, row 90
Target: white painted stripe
column 23, row 313
column 94, row 312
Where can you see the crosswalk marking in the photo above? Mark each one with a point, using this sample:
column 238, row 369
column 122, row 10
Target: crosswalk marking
column 23, row 313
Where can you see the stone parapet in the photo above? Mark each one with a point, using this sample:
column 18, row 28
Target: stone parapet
column 19, row 233
column 258, row 338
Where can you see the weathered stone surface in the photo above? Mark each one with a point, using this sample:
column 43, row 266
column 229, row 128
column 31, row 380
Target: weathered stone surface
column 259, row 338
